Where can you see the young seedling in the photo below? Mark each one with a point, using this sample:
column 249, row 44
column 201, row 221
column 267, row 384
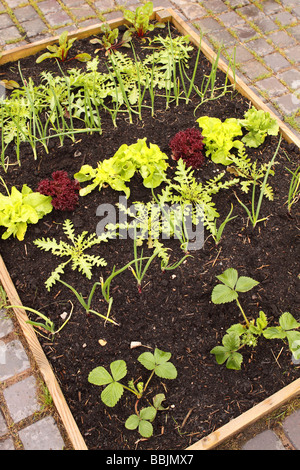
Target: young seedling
column 87, row 305
column 140, row 20
column 239, row 335
column 158, row 363
column 61, row 50
column 109, row 40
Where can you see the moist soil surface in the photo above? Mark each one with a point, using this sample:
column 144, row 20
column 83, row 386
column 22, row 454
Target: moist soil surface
column 174, row 311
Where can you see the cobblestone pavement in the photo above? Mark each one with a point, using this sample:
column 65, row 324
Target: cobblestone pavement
column 266, row 35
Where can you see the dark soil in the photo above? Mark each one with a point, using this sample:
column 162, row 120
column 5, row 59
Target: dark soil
column 174, row 312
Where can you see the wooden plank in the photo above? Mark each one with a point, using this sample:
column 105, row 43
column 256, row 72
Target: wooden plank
column 42, row 361
column 248, row 417
column 240, row 85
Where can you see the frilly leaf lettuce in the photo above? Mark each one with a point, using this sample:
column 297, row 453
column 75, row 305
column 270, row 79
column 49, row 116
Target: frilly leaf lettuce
column 116, row 171
column 21, row 208
column 259, row 124
column 218, row 137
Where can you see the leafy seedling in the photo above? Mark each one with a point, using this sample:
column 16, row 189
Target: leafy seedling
column 61, row 50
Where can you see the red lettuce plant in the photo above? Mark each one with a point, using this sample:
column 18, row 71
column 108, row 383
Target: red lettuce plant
column 188, row 145
column 64, row 191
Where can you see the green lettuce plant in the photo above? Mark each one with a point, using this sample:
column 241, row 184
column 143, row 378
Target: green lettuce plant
column 75, row 251
column 259, row 124
column 61, row 50
column 219, row 137
column 20, row 208
column 116, row 171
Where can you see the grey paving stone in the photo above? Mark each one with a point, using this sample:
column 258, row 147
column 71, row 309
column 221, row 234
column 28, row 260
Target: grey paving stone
column 49, row 6
column 260, row 46
column 241, row 54
column 103, row 5
column 82, row 11
column 13, row 359
column 267, row 440
column 276, row 61
column 25, row 13
column 10, row 34
column 7, row 444
column 34, row 27
column 251, row 12
column 285, row 18
column 6, row 21
column 265, row 24
column 21, row 399
column 191, row 11
column 58, row 18
column 231, row 19
column 282, row 39
column 291, row 78
column 291, row 427
column 295, row 31
column 42, row 435
column 6, row 324
column 216, row 6
column 271, row 86
column 296, row 11
column 223, row 38
column 288, row 104
column 3, row 427
column 293, row 53
column 244, row 31
column 208, row 25
column 238, row 3
column 254, row 69
column 270, row 6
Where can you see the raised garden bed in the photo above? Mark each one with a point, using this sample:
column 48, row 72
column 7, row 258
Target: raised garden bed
column 207, row 402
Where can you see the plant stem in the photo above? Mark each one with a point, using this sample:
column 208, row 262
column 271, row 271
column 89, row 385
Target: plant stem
column 243, row 313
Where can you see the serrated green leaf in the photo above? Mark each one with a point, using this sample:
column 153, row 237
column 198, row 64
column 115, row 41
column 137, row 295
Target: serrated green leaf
column 229, row 277
column 244, row 284
column 274, row 332
column 118, row 369
column 112, row 394
column 100, row 376
column 132, row 422
column 145, row 428
column 148, row 413
column 147, row 360
column 161, row 356
column 166, row 371
column 222, row 294
column 234, row 361
column 288, row 322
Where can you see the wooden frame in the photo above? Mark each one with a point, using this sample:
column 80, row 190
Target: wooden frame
column 247, row 418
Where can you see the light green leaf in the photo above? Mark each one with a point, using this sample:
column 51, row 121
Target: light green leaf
column 244, row 284
column 288, row 322
column 145, row 429
column 100, row 376
column 222, row 294
column 118, row 369
column 112, row 394
column 132, row 422
column 229, row 277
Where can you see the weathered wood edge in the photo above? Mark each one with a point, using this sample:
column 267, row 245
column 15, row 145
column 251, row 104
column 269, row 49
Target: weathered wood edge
column 42, row 361
column 245, row 419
